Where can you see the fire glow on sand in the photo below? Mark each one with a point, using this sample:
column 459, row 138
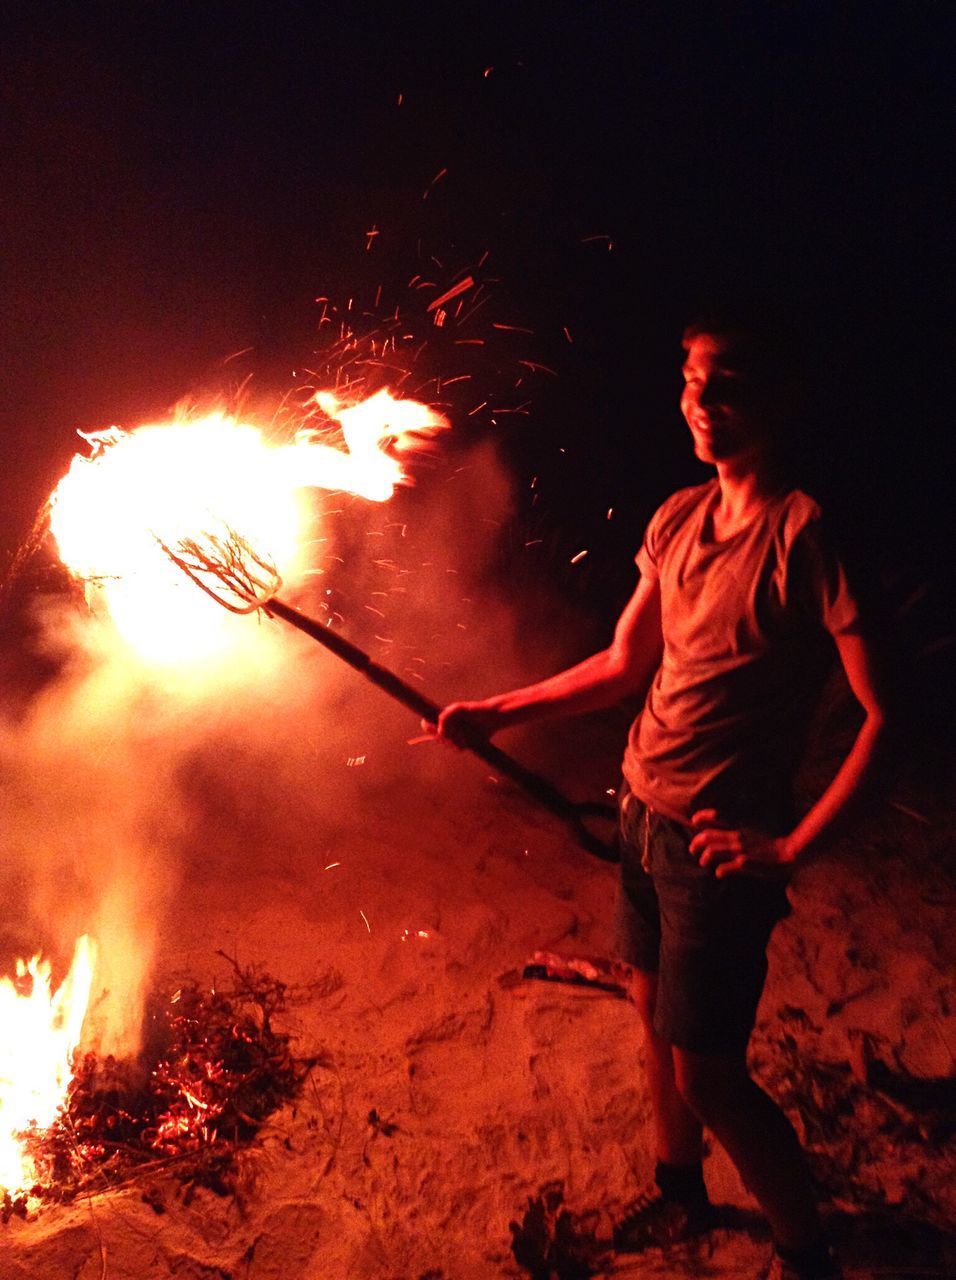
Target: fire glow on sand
column 139, row 490
column 41, row 1030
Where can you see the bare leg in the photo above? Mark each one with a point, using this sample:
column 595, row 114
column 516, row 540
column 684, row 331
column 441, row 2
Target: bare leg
column 757, row 1136
column 679, row 1134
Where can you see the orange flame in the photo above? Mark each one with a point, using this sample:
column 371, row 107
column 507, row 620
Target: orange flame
column 41, row 1029
column 167, row 482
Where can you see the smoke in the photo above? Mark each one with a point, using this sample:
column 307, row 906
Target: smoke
column 123, row 783
column 89, row 814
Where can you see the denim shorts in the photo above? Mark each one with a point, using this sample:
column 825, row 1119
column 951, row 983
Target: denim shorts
column 705, row 938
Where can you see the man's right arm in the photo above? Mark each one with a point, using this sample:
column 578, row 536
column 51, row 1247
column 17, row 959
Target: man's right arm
column 623, row 670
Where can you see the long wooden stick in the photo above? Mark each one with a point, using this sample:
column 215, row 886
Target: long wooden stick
column 531, row 783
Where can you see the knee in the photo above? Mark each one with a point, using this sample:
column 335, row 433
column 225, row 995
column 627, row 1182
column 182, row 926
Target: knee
column 642, row 993
column 711, row 1087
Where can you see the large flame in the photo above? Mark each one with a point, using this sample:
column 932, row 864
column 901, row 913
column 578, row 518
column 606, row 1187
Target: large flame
column 166, row 482
column 41, row 1029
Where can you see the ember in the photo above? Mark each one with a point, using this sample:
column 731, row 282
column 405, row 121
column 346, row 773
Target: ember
column 222, row 1068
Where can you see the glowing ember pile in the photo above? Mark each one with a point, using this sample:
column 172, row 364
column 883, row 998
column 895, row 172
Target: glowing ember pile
column 41, row 1029
column 167, row 482
column 220, row 1069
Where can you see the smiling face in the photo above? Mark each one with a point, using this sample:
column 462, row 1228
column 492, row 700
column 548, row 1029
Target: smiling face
column 727, row 408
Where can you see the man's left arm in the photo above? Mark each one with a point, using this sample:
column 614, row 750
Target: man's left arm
column 744, row 851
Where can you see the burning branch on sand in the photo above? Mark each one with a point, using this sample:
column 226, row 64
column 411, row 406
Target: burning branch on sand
column 227, row 568
column 223, row 1068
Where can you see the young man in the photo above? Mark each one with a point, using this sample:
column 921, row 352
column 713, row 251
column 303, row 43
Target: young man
column 738, row 586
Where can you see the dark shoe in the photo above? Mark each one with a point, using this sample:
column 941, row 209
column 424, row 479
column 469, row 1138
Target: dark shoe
column 777, row 1269
column 655, row 1221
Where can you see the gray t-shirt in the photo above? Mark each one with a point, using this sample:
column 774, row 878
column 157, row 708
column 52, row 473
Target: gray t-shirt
column 743, row 619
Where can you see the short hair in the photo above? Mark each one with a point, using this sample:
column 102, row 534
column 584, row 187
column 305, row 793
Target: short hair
column 765, row 346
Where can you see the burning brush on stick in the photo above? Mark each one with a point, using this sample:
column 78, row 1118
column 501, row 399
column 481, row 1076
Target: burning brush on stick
column 243, row 580
column 214, row 499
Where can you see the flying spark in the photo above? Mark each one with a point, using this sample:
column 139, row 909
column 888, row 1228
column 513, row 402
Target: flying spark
column 461, row 287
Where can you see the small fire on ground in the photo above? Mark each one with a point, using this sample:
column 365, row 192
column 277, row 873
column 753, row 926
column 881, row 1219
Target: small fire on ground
column 40, row 1031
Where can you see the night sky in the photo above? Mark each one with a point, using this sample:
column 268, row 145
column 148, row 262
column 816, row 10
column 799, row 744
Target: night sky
column 180, row 182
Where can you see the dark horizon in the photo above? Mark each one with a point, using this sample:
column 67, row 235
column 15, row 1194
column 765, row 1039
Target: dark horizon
column 181, row 185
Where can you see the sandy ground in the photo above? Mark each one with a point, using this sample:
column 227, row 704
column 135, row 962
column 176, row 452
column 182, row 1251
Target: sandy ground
column 452, row 1095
